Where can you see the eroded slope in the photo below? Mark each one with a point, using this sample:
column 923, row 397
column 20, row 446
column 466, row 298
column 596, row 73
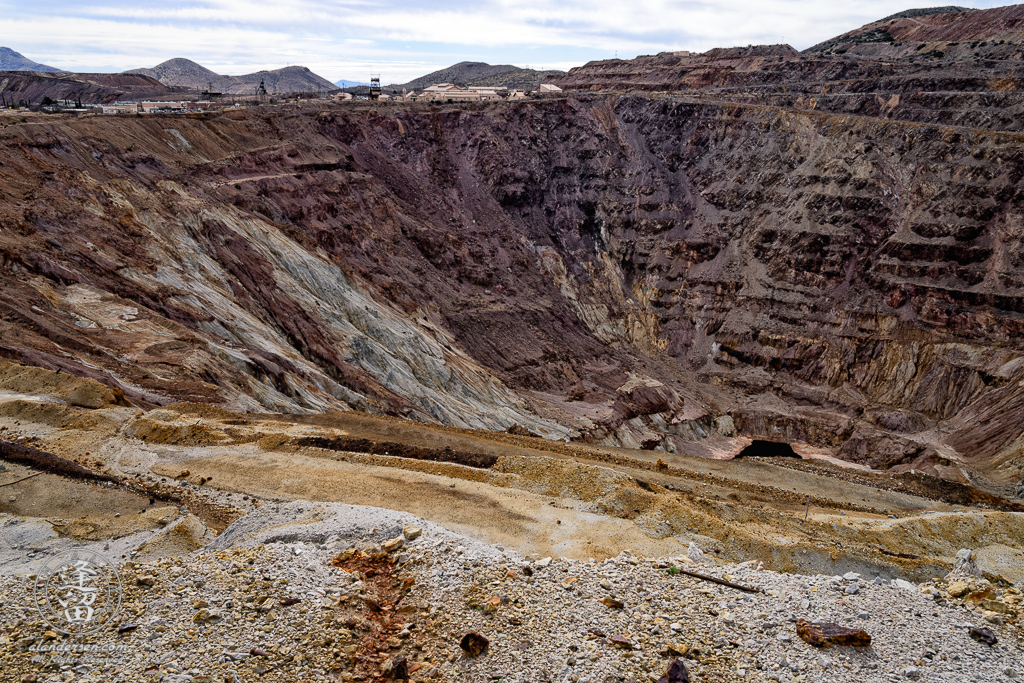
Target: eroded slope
column 640, row 271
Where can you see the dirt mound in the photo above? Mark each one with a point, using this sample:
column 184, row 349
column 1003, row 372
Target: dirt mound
column 182, row 537
column 59, row 415
column 78, row 391
column 172, row 429
column 202, row 410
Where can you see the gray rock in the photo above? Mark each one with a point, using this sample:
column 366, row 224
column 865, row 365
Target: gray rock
column 694, row 553
column 725, row 426
column 964, row 566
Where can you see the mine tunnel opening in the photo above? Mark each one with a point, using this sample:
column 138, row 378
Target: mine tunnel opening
column 767, row 449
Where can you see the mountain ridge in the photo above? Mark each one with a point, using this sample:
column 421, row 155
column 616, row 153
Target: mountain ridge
column 11, row 60
column 30, row 87
column 183, row 72
column 467, row 73
column 479, row 74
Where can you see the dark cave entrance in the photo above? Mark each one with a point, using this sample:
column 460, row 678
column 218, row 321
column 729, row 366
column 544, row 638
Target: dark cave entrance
column 767, row 449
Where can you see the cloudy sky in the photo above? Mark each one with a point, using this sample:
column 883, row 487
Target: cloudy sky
column 347, row 39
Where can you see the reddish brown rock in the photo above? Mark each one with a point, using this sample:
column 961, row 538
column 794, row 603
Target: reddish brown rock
column 823, row 634
column 396, row 669
column 474, row 644
column 676, row 673
column 621, row 642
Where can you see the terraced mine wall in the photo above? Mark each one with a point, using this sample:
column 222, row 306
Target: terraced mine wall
column 627, row 269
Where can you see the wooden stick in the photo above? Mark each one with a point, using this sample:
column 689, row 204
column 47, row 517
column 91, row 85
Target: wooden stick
column 23, row 478
column 723, row 582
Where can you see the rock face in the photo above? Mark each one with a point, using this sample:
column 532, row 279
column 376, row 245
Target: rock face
column 999, row 24
column 644, row 271
column 959, row 68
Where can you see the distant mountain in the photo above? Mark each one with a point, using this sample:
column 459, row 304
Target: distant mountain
column 186, row 73
column 347, row 83
column 15, row 61
column 286, row 80
column 479, row 74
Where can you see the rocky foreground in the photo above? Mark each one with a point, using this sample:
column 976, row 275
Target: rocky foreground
column 318, row 592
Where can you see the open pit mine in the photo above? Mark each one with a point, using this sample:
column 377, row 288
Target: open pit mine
column 702, row 363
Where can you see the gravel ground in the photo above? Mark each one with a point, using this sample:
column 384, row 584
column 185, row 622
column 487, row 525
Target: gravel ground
column 264, row 603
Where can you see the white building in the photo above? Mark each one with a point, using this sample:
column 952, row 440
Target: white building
column 121, row 108
column 443, row 92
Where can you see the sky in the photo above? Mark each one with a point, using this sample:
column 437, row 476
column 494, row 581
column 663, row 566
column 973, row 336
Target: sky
column 401, row 40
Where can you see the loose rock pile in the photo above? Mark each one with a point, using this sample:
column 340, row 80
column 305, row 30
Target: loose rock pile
column 303, row 592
